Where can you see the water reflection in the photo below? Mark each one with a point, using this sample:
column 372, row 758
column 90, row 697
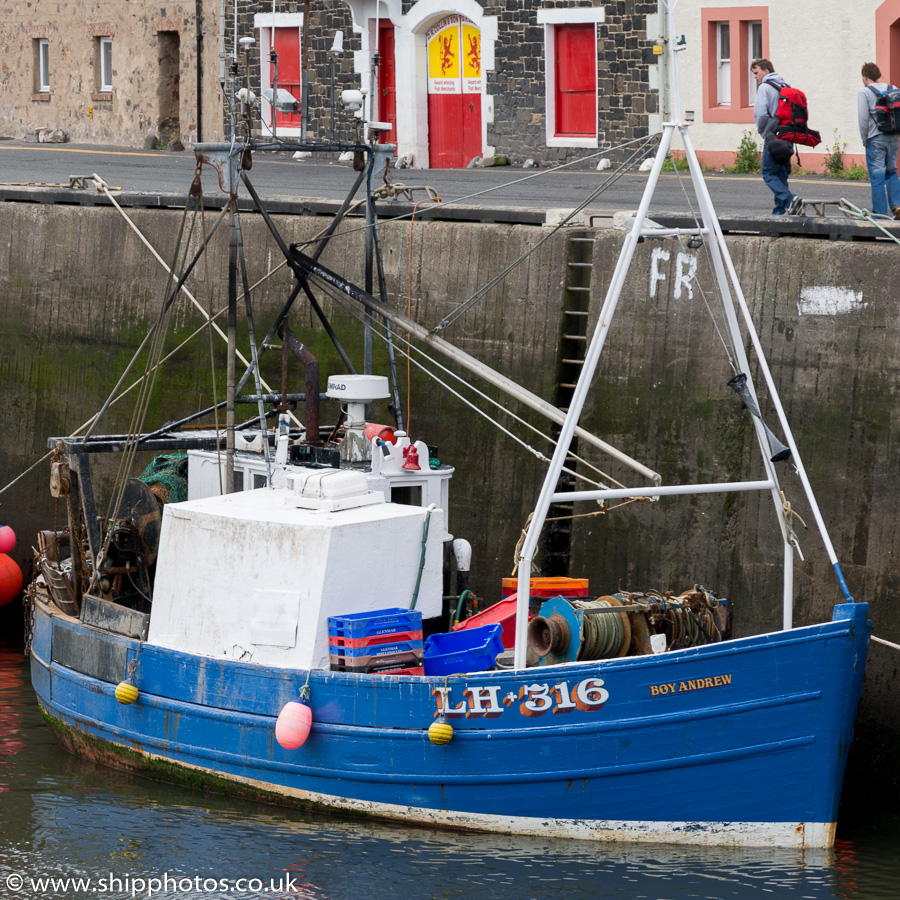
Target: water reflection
column 65, row 817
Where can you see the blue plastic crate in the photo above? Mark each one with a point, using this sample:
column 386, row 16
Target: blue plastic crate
column 472, row 650
column 370, row 624
column 376, row 649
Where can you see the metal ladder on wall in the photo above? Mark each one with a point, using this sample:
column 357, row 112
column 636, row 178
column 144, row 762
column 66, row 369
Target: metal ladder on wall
column 573, row 344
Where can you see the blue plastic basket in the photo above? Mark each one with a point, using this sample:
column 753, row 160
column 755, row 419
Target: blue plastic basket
column 472, row 650
column 370, row 624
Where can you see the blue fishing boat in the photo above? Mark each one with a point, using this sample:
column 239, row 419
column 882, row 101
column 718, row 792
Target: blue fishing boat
column 222, row 639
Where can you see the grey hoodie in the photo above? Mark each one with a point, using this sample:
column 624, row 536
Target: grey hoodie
column 766, row 104
column 865, row 106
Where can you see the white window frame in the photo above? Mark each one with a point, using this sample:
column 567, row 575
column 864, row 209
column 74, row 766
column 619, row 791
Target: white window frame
column 723, row 64
column 106, row 74
column 43, row 66
column 753, row 25
column 550, row 18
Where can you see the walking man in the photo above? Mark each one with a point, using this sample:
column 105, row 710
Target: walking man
column 881, row 149
column 775, row 172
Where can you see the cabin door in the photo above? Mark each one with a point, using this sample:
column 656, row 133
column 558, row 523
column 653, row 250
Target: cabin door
column 454, row 93
column 387, row 90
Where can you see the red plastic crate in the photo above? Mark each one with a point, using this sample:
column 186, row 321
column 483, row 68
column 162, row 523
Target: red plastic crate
column 373, row 640
column 503, row 613
column 371, row 664
column 412, row 670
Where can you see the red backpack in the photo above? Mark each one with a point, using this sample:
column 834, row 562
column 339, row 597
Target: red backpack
column 793, row 113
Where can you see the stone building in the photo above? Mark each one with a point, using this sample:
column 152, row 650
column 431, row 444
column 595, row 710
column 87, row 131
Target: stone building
column 459, row 79
column 113, row 72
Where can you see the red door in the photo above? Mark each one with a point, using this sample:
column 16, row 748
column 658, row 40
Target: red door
column 387, row 90
column 576, row 81
column 287, row 46
column 454, row 93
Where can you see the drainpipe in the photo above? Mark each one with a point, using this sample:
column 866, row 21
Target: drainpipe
column 198, row 15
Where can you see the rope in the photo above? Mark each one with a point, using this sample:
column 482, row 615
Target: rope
column 601, row 636
column 886, row 643
column 855, row 212
column 788, row 514
column 415, row 596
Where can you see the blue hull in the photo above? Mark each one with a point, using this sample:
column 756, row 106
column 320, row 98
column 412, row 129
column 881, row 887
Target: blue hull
column 743, row 741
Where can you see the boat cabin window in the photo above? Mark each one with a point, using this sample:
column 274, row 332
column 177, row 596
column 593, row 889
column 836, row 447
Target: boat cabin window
column 238, row 480
column 407, row 494
column 259, row 481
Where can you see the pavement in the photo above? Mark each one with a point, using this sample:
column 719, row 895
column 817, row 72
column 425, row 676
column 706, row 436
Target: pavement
column 30, row 171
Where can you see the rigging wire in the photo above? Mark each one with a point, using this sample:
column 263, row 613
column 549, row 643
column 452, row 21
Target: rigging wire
column 409, row 316
column 729, row 349
column 151, row 371
column 500, row 276
column 499, row 187
column 343, row 302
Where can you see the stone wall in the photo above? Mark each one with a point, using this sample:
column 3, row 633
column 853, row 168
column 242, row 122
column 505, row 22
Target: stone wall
column 79, row 292
column 75, row 103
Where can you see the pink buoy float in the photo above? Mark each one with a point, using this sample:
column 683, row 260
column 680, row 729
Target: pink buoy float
column 293, row 724
column 7, row 539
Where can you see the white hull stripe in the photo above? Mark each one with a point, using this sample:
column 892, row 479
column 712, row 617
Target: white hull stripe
column 739, row 834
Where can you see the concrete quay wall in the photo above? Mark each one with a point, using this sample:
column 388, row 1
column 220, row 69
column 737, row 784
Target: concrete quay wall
column 79, row 290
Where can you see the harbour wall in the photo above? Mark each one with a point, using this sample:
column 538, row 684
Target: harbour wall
column 79, row 290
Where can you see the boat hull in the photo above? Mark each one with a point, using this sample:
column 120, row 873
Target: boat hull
column 742, row 742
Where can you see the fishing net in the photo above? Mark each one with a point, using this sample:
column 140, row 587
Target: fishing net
column 167, row 477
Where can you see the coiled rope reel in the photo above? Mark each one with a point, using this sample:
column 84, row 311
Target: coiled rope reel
column 568, row 630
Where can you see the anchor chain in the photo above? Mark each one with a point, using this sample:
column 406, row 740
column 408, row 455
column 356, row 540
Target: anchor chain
column 28, row 603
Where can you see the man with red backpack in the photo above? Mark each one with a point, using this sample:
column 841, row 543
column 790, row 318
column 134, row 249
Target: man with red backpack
column 878, row 106
column 776, row 154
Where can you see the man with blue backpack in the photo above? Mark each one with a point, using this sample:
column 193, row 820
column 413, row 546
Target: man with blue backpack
column 878, row 107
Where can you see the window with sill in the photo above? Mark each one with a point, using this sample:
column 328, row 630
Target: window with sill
column 41, row 66
column 732, row 38
column 103, row 72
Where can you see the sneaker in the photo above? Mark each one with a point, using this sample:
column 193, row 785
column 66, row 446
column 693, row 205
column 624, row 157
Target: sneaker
column 896, row 212
column 795, row 206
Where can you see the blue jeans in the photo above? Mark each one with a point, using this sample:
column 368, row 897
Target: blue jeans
column 775, row 175
column 881, row 161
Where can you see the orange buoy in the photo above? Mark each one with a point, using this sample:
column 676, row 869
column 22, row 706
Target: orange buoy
column 10, row 579
column 293, row 724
